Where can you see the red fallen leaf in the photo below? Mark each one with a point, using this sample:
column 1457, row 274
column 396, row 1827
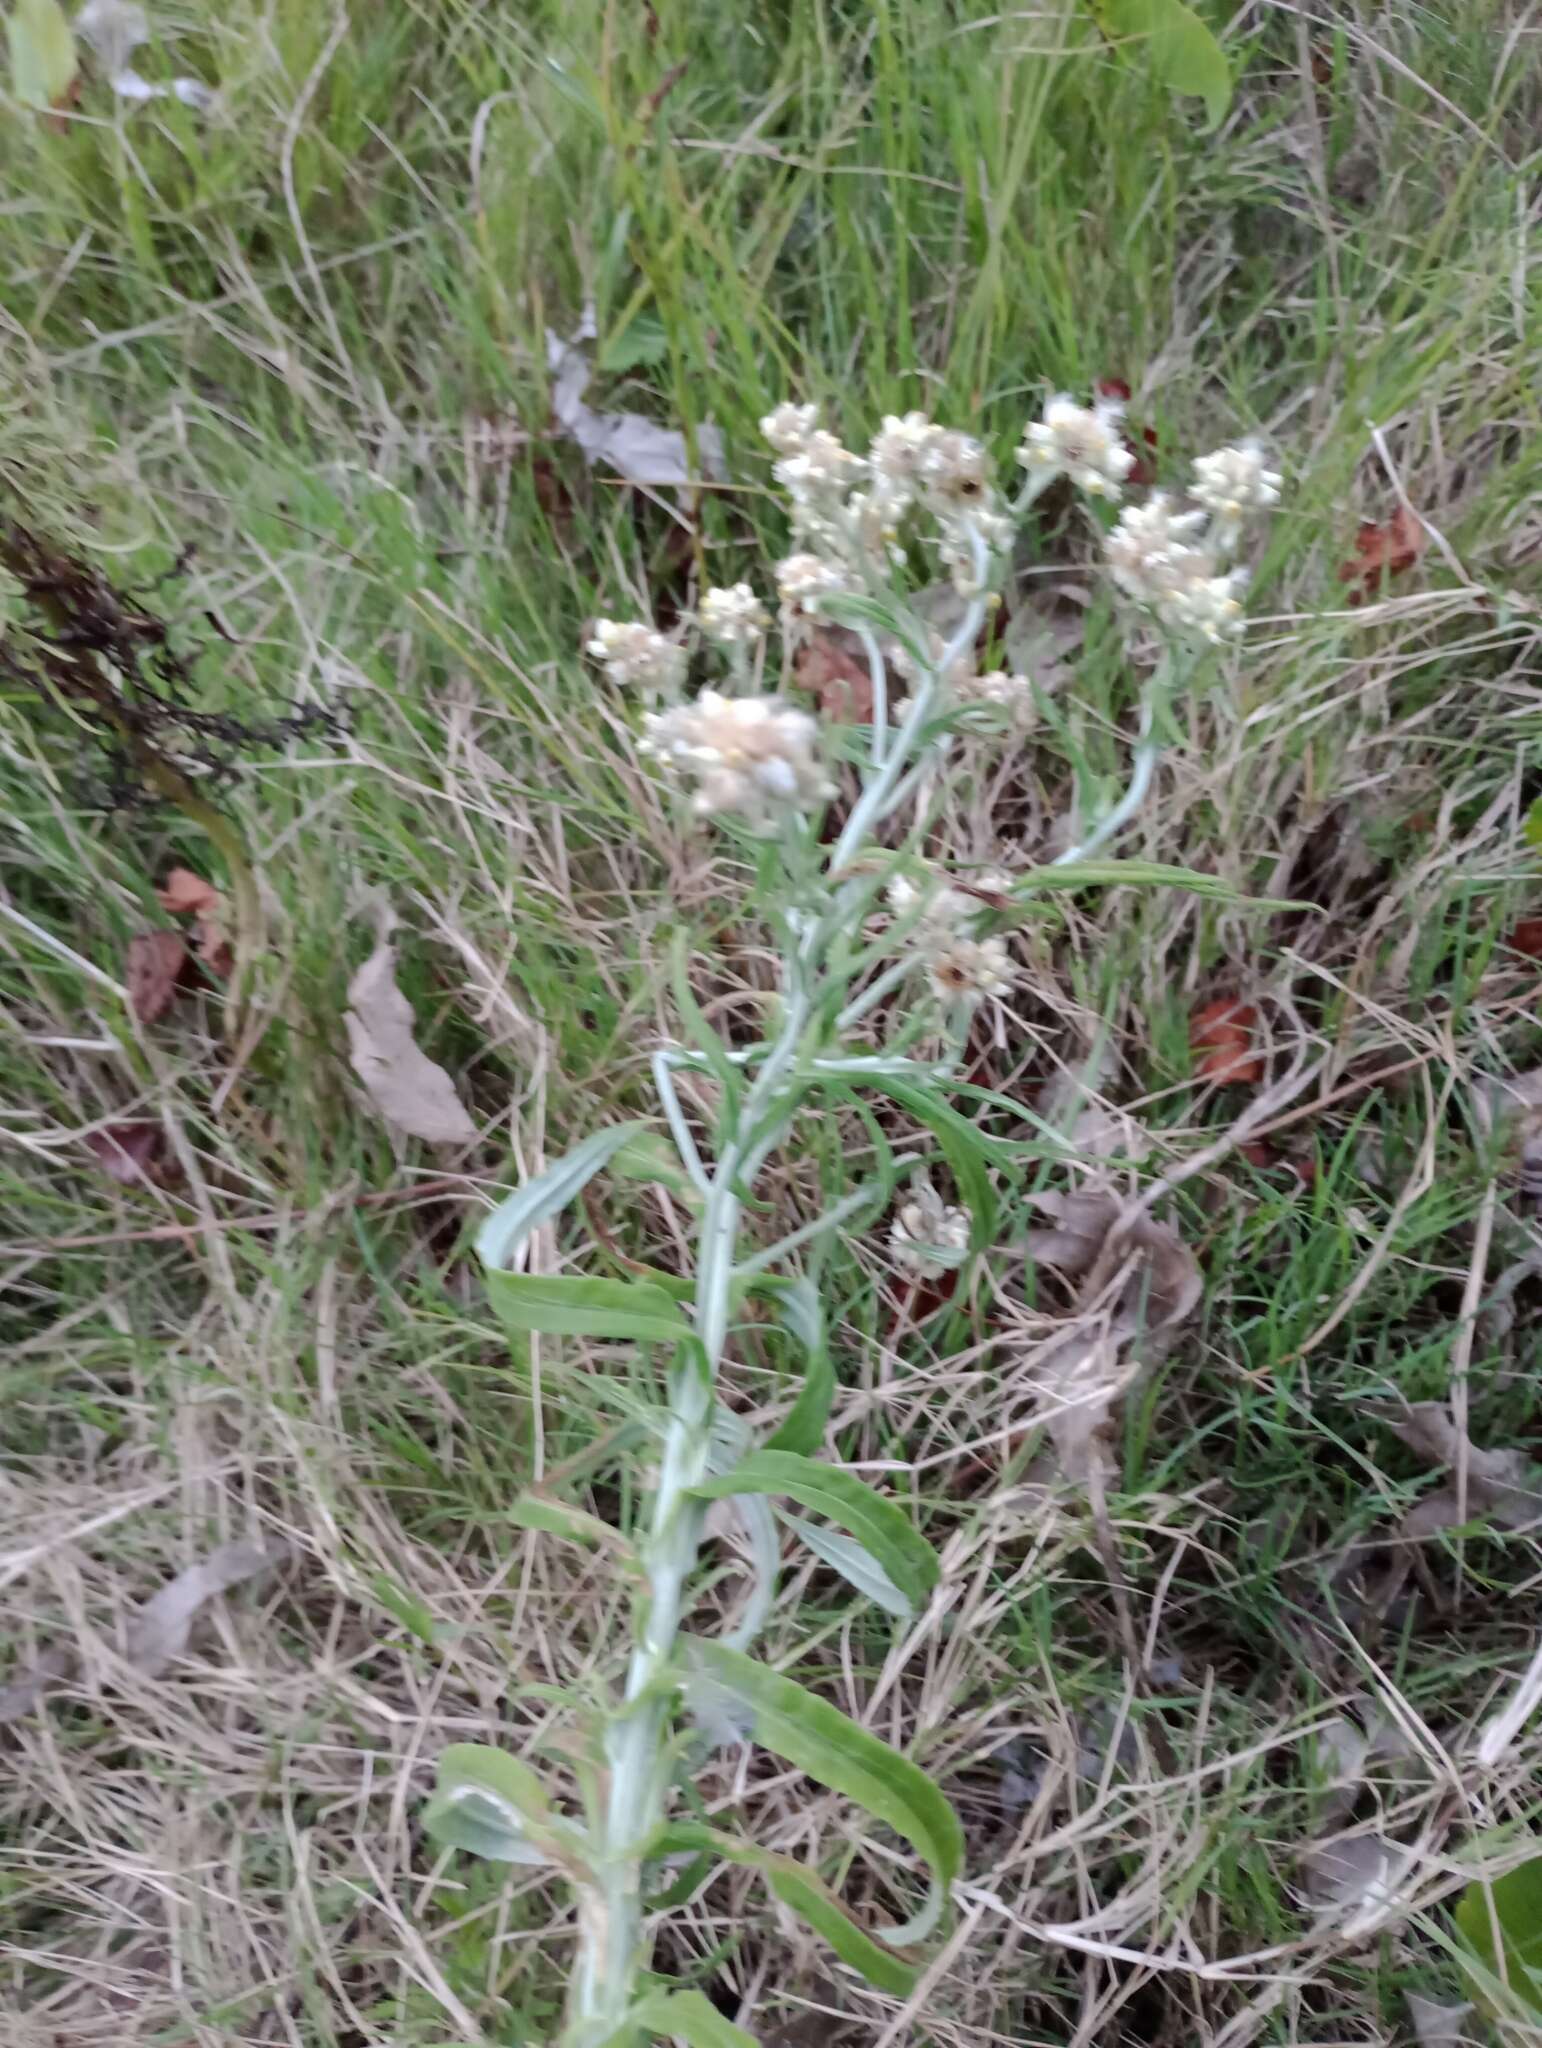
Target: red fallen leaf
column 155, row 969
column 1258, row 1152
column 831, row 666
column 1221, row 1034
column 126, row 1152
column 185, row 894
column 1381, row 551
column 1525, row 937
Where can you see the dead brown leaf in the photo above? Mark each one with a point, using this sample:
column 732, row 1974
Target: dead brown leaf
column 832, row 667
column 185, row 894
column 156, row 962
column 126, row 1152
column 158, row 1632
column 1140, row 1282
column 1387, row 549
column 1503, row 1484
column 1221, row 1042
column 410, row 1090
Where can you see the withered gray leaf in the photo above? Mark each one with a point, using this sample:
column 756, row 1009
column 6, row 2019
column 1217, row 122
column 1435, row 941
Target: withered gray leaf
column 634, row 446
column 409, row 1089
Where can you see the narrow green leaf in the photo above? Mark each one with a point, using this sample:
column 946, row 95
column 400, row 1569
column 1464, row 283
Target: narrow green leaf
column 1138, row 874
column 565, row 1305
column 507, row 1228
column 649, row 1156
column 797, row 1306
column 819, row 1740
column 1511, row 1906
column 882, row 1528
column 702, row 1035
column 966, row 1148
column 856, row 1565
column 680, row 2016
column 1531, row 826
column 558, row 1518
column 43, row 56
column 1175, row 45
column 805, row 1894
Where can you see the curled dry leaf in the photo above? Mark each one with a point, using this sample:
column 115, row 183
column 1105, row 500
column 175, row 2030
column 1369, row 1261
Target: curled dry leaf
column 158, row 1632
column 1140, row 1282
column 156, row 963
column 634, row 446
column 126, row 1152
column 1505, row 1485
column 1387, row 549
column 1353, row 1878
column 409, row 1089
column 832, row 667
column 185, row 894
column 1442, row 2026
column 1525, row 936
column 1221, row 1041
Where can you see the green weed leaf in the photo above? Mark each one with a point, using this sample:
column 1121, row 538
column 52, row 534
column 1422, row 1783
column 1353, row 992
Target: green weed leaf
column 818, row 1739
column 566, row 1305
column 43, row 59
column 856, row 1565
column 491, row 1804
column 883, row 1529
column 809, row 1897
column 681, row 2016
column 501, row 1236
column 1174, row 44
column 800, row 1312
column 1511, row 1908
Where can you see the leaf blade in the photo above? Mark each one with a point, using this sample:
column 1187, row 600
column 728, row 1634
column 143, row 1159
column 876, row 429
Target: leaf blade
column 503, row 1232
column 882, row 1527
column 567, row 1305
column 829, row 1747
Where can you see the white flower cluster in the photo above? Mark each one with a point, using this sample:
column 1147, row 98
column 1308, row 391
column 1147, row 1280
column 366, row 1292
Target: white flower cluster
column 847, row 509
column 960, row 965
column 928, row 1236
column 733, row 619
column 1007, row 700
column 752, row 758
column 637, row 657
column 1085, row 443
column 1173, row 562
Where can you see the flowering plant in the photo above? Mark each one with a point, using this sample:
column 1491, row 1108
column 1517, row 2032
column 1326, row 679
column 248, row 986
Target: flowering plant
column 858, row 913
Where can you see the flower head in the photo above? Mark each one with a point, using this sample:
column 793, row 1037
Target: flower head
column 953, row 469
column 751, row 757
column 963, row 969
column 1233, row 482
column 733, row 618
column 1085, row 443
column 928, row 1235
column 805, row 578
column 1009, row 698
column 788, row 428
column 899, row 445
column 637, row 657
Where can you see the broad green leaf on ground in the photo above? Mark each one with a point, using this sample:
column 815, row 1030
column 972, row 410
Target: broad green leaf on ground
column 827, row 1746
column 490, row 1804
column 1138, row 874
column 568, row 1305
column 1174, row 45
column 1500, row 1921
column 559, row 1518
column 506, row 1229
column 798, row 1309
column 43, row 57
column 882, row 1528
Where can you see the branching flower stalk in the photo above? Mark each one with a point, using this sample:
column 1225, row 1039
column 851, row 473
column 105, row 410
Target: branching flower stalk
column 754, row 764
